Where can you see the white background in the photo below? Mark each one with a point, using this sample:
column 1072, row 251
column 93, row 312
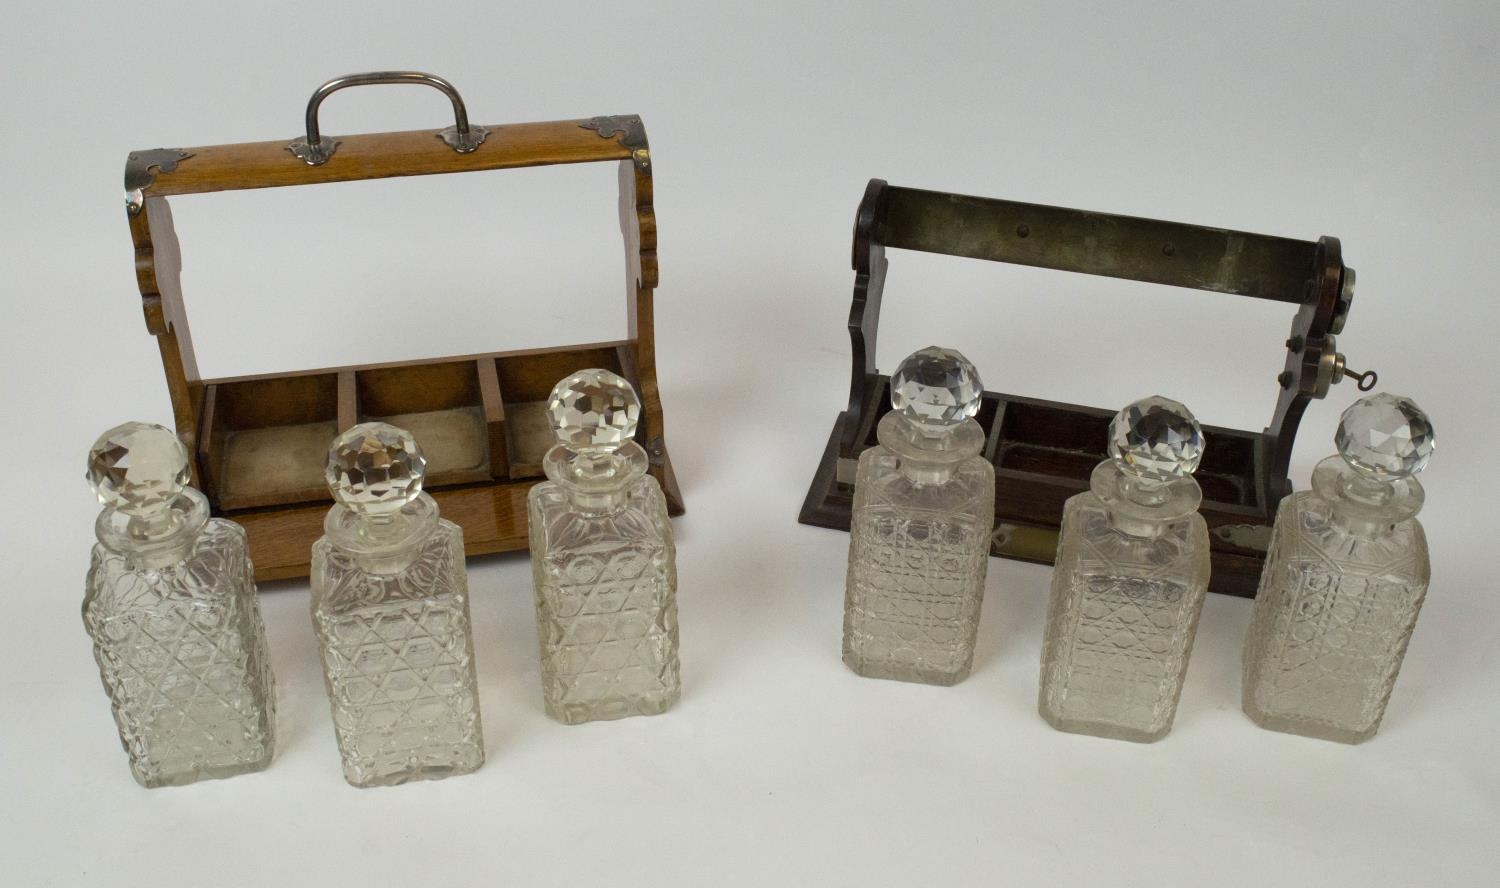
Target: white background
column 1374, row 122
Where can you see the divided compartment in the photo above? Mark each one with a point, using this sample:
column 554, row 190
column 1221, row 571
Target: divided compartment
column 1046, row 439
column 265, row 440
column 444, row 406
column 525, row 382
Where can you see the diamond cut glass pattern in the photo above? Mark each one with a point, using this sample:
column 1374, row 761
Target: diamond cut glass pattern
column 604, row 565
column 937, row 386
column 182, row 653
column 390, row 605
column 1157, row 439
column 1344, row 581
column 920, row 529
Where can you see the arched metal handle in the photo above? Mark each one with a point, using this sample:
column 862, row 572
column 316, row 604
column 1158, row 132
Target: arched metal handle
column 315, row 148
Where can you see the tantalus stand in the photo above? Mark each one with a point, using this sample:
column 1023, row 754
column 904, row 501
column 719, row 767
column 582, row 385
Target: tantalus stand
column 258, row 442
column 1043, row 451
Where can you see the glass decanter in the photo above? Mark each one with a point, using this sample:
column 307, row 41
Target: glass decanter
column 390, row 605
column 1132, row 569
column 1344, row 580
column 919, row 536
column 170, row 604
column 603, row 562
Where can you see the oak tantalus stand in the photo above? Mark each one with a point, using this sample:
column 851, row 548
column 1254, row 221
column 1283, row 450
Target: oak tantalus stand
column 258, row 442
column 1043, row 451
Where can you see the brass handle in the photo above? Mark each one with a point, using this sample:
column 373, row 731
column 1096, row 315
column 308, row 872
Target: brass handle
column 315, row 149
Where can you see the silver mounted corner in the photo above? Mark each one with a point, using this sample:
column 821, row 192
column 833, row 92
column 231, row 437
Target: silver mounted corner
column 626, row 129
column 141, row 168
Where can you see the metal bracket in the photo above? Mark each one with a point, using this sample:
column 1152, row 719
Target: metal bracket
column 141, row 168
column 631, row 133
column 656, row 452
column 1245, row 536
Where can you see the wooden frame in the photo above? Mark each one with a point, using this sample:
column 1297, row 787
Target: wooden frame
column 257, row 443
column 1043, row 451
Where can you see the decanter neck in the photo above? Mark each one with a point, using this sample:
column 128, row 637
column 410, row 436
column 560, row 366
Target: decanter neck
column 928, row 454
column 596, row 483
column 383, row 544
column 156, row 541
column 1363, row 506
column 1141, row 507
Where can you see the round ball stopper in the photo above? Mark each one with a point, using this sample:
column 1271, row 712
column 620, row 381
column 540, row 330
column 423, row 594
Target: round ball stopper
column 375, row 468
column 593, row 411
column 936, row 386
column 1385, row 437
column 138, row 468
column 1157, row 439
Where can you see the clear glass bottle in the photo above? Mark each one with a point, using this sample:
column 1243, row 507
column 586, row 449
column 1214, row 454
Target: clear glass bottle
column 1344, row 580
column 170, row 604
column 1132, row 569
column 919, row 536
column 390, row 604
column 603, row 562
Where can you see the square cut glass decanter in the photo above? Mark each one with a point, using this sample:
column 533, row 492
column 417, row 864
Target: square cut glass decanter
column 919, row 536
column 390, row 604
column 603, row 563
column 170, row 604
column 1132, row 569
column 1344, row 581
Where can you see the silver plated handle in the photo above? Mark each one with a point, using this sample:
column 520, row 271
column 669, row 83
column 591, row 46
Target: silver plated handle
column 315, row 148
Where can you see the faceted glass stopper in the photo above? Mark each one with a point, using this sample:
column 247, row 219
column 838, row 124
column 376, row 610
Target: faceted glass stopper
column 375, row 468
column 1385, row 437
column 1157, row 439
column 138, row 468
column 936, row 386
column 593, row 411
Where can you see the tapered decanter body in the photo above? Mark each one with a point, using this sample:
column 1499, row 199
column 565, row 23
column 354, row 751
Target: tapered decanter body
column 390, row 606
column 603, row 561
column 1343, row 582
column 170, row 604
column 1131, row 572
column 924, row 503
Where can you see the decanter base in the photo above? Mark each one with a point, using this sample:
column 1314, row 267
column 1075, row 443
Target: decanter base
column 412, row 775
column 1107, row 730
column 609, row 709
column 897, row 672
column 158, row 779
column 1308, row 728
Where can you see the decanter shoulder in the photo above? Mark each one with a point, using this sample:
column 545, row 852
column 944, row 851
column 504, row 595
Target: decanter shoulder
column 1308, row 530
column 1183, row 543
column 880, row 469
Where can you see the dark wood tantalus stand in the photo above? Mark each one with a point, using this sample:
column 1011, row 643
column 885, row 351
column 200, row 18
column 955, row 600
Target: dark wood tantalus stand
column 257, row 443
column 1043, row 451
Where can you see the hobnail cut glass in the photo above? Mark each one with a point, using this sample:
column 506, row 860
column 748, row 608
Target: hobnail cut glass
column 182, row 653
column 604, row 564
column 1344, row 581
column 920, row 527
column 1121, row 619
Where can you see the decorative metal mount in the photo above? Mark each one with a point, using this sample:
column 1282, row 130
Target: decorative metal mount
column 141, row 168
column 630, row 131
column 314, row 149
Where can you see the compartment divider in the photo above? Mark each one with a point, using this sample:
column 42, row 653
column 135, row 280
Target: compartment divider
column 493, row 403
column 348, row 401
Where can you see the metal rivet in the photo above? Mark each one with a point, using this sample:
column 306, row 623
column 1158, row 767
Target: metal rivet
column 1285, row 379
column 1294, row 344
column 1023, row 230
column 1168, row 250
